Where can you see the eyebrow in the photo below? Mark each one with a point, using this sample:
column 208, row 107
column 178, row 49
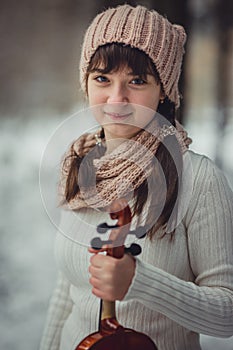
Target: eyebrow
column 97, row 70
column 102, row 71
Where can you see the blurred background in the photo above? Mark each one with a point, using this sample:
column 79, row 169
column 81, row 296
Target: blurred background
column 40, row 48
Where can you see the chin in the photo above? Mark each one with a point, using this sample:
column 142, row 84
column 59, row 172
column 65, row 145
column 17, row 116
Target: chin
column 121, row 131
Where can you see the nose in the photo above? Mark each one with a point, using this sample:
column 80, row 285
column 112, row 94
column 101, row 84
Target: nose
column 117, row 94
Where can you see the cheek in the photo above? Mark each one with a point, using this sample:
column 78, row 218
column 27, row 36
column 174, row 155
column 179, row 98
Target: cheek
column 95, row 97
column 155, row 98
column 150, row 103
column 150, row 99
column 90, row 93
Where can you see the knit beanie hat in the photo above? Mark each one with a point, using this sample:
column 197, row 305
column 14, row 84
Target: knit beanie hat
column 145, row 30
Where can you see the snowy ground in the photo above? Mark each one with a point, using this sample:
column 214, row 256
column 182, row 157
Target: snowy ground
column 26, row 253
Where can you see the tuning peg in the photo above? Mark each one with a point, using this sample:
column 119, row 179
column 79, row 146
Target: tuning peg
column 140, row 232
column 134, row 249
column 97, row 243
column 104, row 227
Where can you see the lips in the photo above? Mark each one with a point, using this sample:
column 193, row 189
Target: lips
column 118, row 116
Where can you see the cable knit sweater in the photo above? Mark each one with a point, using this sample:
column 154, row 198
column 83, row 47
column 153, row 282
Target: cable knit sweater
column 181, row 288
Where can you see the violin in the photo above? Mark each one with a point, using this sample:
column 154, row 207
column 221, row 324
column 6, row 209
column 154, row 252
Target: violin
column 111, row 335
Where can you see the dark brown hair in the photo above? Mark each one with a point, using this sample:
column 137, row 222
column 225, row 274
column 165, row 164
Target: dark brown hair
column 110, row 58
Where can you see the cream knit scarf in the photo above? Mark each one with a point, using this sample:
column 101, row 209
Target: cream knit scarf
column 121, row 172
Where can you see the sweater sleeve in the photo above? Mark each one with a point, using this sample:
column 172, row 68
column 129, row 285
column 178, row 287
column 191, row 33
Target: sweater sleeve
column 59, row 309
column 206, row 304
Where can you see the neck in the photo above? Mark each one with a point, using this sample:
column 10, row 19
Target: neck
column 112, row 144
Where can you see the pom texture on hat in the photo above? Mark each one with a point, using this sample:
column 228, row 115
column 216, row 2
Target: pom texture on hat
column 145, row 30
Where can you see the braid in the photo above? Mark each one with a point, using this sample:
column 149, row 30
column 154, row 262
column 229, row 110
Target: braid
column 79, row 169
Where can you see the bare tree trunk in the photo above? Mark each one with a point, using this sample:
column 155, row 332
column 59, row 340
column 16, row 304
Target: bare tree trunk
column 224, row 23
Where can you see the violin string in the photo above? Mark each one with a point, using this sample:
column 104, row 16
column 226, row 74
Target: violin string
column 100, row 313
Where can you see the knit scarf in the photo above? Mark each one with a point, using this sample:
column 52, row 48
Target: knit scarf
column 122, row 171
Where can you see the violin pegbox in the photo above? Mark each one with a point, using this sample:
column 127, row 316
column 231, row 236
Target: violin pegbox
column 119, row 231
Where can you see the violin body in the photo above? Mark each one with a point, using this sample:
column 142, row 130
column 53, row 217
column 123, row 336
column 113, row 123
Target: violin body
column 115, row 337
column 111, row 335
column 122, row 339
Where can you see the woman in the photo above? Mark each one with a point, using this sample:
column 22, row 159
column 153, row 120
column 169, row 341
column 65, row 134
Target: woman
column 181, row 284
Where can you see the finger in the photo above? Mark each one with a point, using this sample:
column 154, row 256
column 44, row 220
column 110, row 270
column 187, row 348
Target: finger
column 96, row 251
column 98, row 293
column 95, row 272
column 95, row 282
column 104, row 294
column 99, row 289
column 97, row 260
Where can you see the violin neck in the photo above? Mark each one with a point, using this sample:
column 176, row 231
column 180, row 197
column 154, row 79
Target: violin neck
column 108, row 322
column 108, row 309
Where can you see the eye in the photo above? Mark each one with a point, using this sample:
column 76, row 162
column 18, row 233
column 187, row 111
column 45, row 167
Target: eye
column 138, row 81
column 101, row 79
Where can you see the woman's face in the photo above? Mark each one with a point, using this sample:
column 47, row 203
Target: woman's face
column 126, row 102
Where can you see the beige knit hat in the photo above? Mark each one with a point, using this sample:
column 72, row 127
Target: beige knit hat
column 144, row 29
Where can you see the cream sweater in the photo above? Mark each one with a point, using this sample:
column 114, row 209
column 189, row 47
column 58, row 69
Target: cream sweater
column 181, row 287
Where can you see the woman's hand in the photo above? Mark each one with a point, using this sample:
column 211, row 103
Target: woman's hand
column 111, row 277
